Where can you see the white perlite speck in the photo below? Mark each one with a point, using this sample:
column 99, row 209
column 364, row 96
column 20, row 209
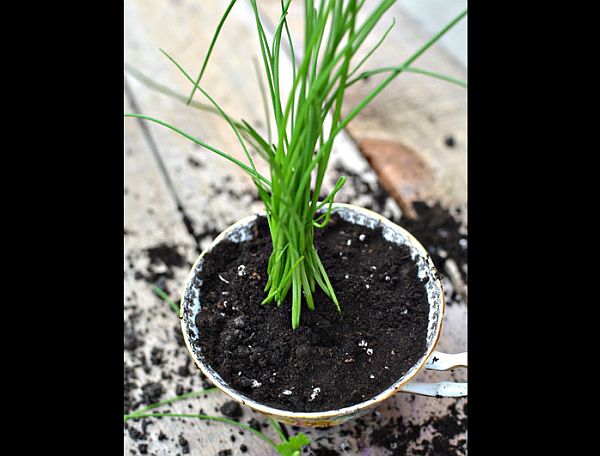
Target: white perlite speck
column 362, row 237
column 315, row 393
column 367, row 285
column 349, row 242
column 374, row 268
column 362, row 343
column 241, row 270
column 346, row 276
column 255, row 384
column 387, row 278
column 223, row 280
column 286, row 392
column 369, row 351
column 371, row 376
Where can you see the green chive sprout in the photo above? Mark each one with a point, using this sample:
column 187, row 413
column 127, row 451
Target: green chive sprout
column 307, row 120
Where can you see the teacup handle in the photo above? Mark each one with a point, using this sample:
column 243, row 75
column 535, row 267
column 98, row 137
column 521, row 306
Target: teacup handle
column 441, row 362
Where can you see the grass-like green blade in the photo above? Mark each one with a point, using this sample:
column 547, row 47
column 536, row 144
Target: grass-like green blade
column 211, row 47
column 246, row 168
column 181, row 397
column 370, row 53
column 160, row 292
column 442, row 77
column 221, row 419
column 399, row 70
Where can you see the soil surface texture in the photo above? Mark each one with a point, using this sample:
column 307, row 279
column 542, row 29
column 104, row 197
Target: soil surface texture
column 334, row 359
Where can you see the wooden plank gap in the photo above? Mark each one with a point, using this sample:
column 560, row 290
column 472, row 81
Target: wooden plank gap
column 162, row 168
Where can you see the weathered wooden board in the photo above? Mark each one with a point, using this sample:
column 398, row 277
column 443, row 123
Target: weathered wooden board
column 172, row 178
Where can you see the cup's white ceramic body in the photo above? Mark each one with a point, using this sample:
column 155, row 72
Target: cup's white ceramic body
column 431, row 359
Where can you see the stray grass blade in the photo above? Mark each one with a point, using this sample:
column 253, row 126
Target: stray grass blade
column 181, row 397
column 293, row 445
column 160, row 292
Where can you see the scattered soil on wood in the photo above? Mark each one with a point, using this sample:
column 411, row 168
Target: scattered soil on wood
column 407, row 438
column 440, row 232
column 163, row 260
column 232, row 409
column 437, row 227
column 334, row 359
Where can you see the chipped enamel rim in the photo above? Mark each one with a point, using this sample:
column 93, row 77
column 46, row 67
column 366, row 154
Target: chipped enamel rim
column 241, row 231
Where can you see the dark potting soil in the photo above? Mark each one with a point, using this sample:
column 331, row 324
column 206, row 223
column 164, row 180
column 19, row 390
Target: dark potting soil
column 334, row 359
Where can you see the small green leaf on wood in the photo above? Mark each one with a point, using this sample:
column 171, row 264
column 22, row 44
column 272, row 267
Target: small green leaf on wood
column 293, row 446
